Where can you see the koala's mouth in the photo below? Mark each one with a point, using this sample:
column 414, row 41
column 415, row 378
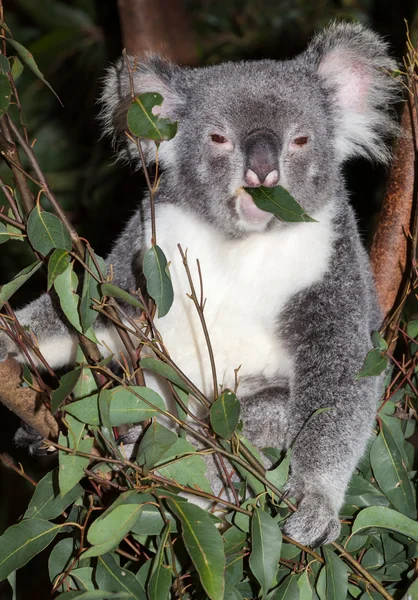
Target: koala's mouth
column 248, row 212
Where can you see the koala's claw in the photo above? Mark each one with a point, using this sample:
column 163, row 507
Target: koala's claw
column 28, row 438
column 314, row 523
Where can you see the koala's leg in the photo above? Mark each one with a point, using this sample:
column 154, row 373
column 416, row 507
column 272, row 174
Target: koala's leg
column 265, row 418
column 328, row 351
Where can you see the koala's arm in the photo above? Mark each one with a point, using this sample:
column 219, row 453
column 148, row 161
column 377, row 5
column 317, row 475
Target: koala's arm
column 56, row 338
column 328, row 332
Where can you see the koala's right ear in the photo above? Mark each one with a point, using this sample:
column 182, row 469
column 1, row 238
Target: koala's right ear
column 150, row 74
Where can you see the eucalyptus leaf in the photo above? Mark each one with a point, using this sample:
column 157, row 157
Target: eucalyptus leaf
column 30, row 62
column 91, row 289
column 71, row 465
column 266, row 545
column 8, row 289
column 5, row 92
column 278, row 201
column 204, row 545
column 390, row 472
column 125, row 406
column 66, row 386
column 336, row 575
column 165, row 370
column 374, row 364
column 46, row 502
column 224, row 414
column 379, row 517
column 288, row 589
column 110, row 576
column 109, row 289
column 57, row 264
column 21, row 542
column 154, row 444
column 161, row 575
column 144, row 123
column 46, row 231
column 159, row 284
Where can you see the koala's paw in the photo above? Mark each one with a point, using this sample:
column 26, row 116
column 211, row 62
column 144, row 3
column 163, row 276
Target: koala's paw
column 315, row 522
column 28, row 438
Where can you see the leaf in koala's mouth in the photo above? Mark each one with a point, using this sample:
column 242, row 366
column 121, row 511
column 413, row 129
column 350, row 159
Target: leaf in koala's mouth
column 144, row 123
column 278, row 201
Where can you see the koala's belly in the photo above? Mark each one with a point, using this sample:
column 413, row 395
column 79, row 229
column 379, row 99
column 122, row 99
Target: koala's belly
column 246, row 284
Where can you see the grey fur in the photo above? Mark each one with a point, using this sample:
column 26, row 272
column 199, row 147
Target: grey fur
column 326, row 327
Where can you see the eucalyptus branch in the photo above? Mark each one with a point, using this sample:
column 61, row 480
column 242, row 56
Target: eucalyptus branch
column 16, row 224
column 200, row 311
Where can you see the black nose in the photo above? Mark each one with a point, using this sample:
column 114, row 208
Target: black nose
column 261, row 149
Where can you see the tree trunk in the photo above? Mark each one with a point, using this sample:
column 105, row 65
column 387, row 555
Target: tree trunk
column 390, row 247
column 159, row 26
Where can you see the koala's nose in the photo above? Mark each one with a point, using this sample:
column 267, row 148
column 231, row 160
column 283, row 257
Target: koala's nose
column 261, row 150
column 253, row 180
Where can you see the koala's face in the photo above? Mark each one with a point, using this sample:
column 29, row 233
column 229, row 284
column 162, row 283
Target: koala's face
column 267, row 123
column 258, row 131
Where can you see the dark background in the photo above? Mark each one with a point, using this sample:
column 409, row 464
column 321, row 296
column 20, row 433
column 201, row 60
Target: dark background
column 72, row 43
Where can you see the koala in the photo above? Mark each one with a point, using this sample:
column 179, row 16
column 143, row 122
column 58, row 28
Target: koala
column 291, row 304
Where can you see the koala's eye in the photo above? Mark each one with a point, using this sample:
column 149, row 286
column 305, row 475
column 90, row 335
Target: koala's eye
column 218, row 139
column 301, row 141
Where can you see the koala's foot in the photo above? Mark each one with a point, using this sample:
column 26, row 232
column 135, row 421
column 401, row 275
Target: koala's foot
column 315, row 522
column 28, row 438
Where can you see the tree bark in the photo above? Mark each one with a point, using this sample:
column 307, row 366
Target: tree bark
column 159, row 26
column 390, row 247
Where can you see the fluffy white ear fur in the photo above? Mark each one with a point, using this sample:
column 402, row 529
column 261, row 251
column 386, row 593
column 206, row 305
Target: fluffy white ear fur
column 355, row 66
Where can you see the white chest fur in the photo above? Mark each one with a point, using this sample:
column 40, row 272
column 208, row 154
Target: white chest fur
column 246, row 284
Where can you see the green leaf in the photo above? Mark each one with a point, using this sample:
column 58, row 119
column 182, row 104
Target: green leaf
column 362, row 493
column 336, row 574
column 166, row 371
column 46, row 502
column 412, row 593
column 58, row 262
column 379, row 341
column 224, row 414
column 234, row 540
column 109, row 289
column 154, row 444
column 4, row 234
column 94, row 595
column 289, row 589
column 390, row 472
column 125, row 406
column 5, row 93
column 374, row 364
column 21, row 542
column 145, row 124
column 4, row 64
column 116, row 522
column 8, row 289
column 188, row 470
column 66, row 287
column 161, row 575
column 279, row 475
column 159, row 284
column 305, row 588
column 66, row 386
column 110, row 576
column 71, row 466
column 278, row 201
column 60, row 558
column 46, row 231
column 379, row 517
column 29, row 61
column 83, row 578
column 17, row 67
column 266, row 545
column 90, row 290
column 151, row 522
column 204, row 545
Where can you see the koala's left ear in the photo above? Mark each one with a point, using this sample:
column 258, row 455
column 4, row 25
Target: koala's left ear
column 354, row 64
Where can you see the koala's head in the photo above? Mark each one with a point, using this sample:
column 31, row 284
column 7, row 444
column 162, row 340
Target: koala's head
column 247, row 124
